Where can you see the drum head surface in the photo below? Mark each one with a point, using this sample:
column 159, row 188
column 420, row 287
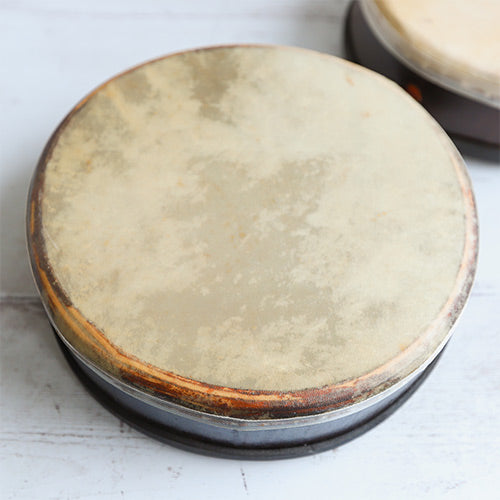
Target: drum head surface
column 255, row 232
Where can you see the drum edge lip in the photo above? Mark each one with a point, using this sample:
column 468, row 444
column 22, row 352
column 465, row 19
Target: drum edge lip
column 35, row 243
column 245, row 424
column 197, row 444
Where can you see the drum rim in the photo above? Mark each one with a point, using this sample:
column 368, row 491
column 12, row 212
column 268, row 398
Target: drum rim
column 197, row 444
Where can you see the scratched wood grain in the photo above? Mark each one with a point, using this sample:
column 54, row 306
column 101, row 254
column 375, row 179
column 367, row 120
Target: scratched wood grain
column 57, row 442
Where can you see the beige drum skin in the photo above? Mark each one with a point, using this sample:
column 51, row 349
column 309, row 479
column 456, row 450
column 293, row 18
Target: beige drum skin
column 265, row 246
column 454, row 43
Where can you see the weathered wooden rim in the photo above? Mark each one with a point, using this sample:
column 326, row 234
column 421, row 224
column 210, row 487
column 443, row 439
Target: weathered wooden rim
column 226, row 401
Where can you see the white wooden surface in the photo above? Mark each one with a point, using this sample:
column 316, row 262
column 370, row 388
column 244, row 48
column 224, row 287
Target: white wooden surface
column 57, row 442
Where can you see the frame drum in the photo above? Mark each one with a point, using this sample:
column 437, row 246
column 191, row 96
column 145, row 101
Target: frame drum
column 445, row 53
column 251, row 251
